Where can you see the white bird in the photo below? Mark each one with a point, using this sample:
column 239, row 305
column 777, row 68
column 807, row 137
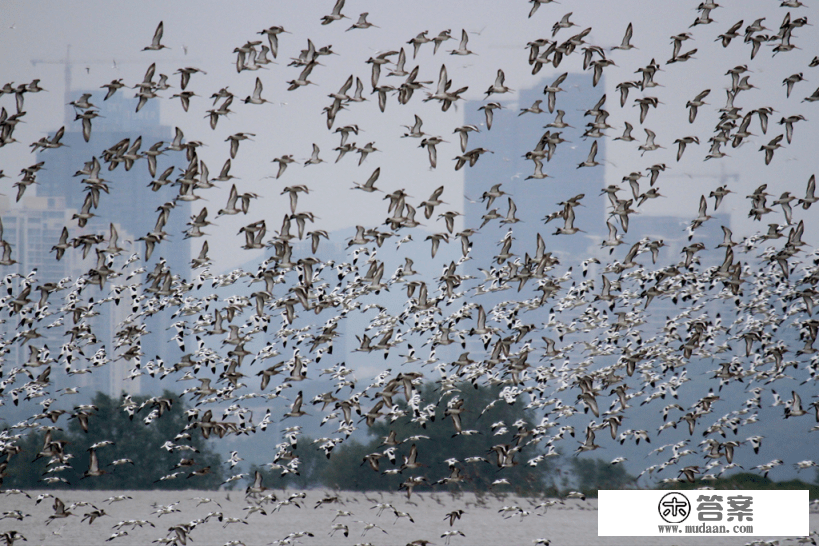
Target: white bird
column 155, row 45
column 369, row 185
column 256, row 97
column 462, row 46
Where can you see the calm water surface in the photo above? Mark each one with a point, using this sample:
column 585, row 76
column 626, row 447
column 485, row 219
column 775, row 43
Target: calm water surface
column 483, row 521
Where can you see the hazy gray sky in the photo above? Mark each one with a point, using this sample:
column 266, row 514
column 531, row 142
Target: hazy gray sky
column 106, row 40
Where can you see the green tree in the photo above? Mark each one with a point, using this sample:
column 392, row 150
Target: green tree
column 595, row 474
column 131, row 438
column 311, row 467
column 748, row 480
column 483, row 408
column 23, row 470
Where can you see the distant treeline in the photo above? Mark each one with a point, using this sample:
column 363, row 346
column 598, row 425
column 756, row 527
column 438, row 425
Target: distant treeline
column 471, row 440
column 493, row 452
column 136, row 449
column 748, row 480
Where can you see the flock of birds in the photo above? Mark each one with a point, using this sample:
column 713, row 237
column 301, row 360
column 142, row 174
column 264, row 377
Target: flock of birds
column 566, row 342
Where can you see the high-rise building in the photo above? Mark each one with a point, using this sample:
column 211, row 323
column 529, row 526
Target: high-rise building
column 32, row 229
column 125, row 204
column 510, row 138
column 129, row 192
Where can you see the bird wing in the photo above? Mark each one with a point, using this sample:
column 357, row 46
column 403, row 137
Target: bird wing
column 160, row 29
